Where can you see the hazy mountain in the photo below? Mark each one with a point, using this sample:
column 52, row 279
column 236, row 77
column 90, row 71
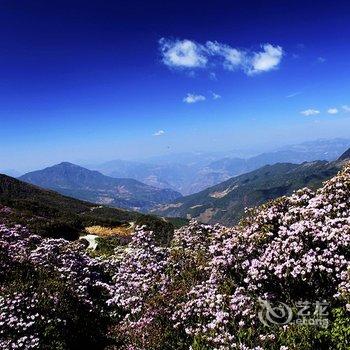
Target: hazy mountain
column 305, row 152
column 190, row 158
column 10, row 172
column 225, row 202
column 323, row 149
column 173, row 176
column 78, row 182
column 176, row 171
column 192, row 172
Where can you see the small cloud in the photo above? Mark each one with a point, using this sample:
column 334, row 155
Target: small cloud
column 159, row 133
column 332, row 111
column 215, row 96
column 266, row 60
column 309, row 112
column 182, row 53
column 321, row 59
column 293, row 94
column 346, row 108
column 192, row 98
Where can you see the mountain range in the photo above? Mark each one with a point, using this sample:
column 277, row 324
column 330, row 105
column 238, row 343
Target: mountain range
column 51, row 214
column 192, row 172
column 56, row 215
column 225, row 203
column 78, row 182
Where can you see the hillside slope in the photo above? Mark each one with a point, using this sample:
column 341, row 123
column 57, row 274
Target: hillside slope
column 225, row 202
column 52, row 214
column 78, row 182
column 345, row 155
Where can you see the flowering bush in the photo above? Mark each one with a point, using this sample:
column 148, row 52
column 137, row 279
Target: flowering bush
column 52, row 295
column 205, row 290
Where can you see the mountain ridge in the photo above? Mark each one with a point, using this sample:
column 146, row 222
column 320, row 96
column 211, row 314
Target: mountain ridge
column 81, row 183
column 225, row 202
column 193, row 172
column 345, row 155
column 52, row 214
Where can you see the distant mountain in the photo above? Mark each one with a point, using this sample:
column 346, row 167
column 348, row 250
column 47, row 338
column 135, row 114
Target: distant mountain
column 10, row 172
column 306, row 152
column 323, row 149
column 53, row 215
column 192, row 172
column 225, row 202
column 179, row 172
column 78, row 182
column 173, row 176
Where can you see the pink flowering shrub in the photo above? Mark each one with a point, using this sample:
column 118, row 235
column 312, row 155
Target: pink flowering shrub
column 52, row 295
column 205, row 291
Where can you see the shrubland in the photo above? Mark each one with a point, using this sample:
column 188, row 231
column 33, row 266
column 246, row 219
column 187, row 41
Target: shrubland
column 205, row 287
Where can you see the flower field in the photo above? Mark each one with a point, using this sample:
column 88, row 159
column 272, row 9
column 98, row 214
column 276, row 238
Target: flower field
column 207, row 289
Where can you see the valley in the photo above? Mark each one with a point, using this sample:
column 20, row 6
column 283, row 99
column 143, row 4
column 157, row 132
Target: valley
column 225, row 203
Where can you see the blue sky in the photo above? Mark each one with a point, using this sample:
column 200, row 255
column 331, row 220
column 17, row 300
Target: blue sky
column 97, row 80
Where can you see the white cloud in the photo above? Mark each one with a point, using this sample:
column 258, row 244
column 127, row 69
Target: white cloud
column 159, row 133
column 215, row 96
column 321, row 59
column 192, row 98
column 233, row 58
column 309, row 112
column 332, row 110
column 189, row 54
column 346, row 108
column 182, row 53
column 266, row 60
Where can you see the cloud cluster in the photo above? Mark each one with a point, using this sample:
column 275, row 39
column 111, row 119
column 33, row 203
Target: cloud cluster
column 332, row 110
column 185, row 53
column 309, row 112
column 193, row 98
column 266, row 60
column 189, row 54
column 159, row 133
